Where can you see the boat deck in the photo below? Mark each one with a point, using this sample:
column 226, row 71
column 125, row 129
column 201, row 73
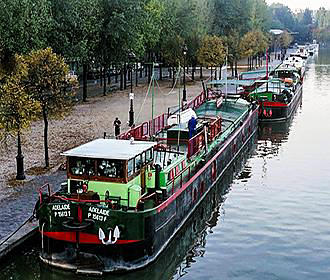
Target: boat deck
column 230, row 111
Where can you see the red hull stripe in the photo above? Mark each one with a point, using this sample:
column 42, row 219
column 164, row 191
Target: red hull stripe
column 84, row 238
column 274, row 104
column 186, row 185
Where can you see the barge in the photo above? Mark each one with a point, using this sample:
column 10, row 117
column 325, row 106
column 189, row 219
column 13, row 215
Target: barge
column 279, row 96
column 125, row 199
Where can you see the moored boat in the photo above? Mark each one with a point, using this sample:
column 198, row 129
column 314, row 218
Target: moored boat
column 125, row 199
column 278, row 97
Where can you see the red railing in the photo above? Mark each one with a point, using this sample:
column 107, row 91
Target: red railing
column 196, row 143
column 215, row 129
column 42, row 189
column 157, row 124
column 181, row 176
column 197, row 101
column 146, row 129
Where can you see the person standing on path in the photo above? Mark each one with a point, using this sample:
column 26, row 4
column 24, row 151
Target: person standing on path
column 116, row 125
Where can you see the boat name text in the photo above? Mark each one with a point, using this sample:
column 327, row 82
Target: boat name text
column 61, row 210
column 98, row 214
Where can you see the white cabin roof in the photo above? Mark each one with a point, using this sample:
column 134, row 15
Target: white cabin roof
column 110, row 149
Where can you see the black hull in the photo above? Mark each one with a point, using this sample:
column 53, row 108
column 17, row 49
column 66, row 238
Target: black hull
column 280, row 113
column 191, row 237
column 160, row 228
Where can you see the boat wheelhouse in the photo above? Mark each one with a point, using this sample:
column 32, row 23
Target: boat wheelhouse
column 256, row 74
column 232, row 88
column 301, row 52
column 278, row 97
column 125, row 199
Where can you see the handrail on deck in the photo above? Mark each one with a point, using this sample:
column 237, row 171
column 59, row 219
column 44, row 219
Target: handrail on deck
column 196, row 143
column 41, row 191
column 146, row 129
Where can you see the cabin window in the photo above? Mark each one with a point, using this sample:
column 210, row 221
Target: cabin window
column 75, row 185
column 138, row 163
column 149, row 155
column 110, row 168
column 143, row 155
column 82, row 166
column 130, row 167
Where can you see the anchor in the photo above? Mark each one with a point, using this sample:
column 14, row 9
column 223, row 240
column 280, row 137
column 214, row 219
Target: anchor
column 116, row 234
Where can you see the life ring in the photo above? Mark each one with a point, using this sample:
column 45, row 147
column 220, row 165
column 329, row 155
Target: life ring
column 71, row 224
column 268, row 113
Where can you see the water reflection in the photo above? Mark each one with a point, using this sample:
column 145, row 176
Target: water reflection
column 271, row 136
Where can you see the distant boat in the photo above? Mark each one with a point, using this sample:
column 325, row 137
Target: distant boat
column 278, row 96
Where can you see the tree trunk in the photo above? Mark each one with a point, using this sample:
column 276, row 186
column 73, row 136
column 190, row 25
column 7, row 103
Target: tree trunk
column 44, row 115
column 101, row 76
column 173, row 77
column 160, row 72
column 149, row 72
column 121, row 79
column 220, row 74
column 169, row 72
column 125, row 76
column 232, row 69
column 109, row 76
column 85, row 69
column 215, row 74
column 193, row 72
column 236, row 71
column 136, row 74
column 201, row 72
column 104, row 82
column 211, row 72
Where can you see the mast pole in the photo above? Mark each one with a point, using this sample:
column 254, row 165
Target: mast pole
column 267, row 69
column 267, row 63
column 226, row 77
column 152, row 99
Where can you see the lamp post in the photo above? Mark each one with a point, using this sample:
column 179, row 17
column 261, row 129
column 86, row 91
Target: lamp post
column 184, row 73
column 131, row 95
column 19, row 160
column 131, row 110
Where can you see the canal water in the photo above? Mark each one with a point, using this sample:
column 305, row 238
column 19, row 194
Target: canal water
column 270, row 220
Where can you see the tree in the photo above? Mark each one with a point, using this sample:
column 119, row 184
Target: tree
column 24, row 26
column 259, row 15
column 50, row 85
column 233, row 42
column 17, row 108
column 252, row 44
column 282, row 17
column 121, row 31
column 212, row 51
column 76, row 32
column 285, row 39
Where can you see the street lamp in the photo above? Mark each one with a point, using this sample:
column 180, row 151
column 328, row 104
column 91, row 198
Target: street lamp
column 184, row 73
column 19, row 160
column 131, row 57
column 131, row 110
